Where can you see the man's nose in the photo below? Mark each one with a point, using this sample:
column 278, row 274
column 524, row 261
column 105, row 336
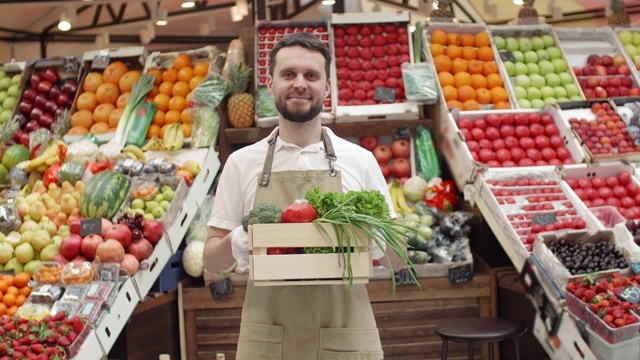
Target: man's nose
column 299, row 82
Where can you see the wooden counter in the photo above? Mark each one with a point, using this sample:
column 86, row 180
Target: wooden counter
column 406, row 324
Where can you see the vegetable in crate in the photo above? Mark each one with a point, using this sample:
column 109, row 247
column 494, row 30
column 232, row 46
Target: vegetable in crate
column 206, row 124
column 441, row 194
column 300, row 211
column 428, row 163
column 262, row 214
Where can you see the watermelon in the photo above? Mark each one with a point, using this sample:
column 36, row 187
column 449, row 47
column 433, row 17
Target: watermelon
column 103, row 195
column 15, row 154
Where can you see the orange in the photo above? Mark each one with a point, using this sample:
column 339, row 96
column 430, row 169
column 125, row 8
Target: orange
column 462, row 78
column 485, row 53
column 107, row 93
column 436, row 49
column 467, row 39
column 114, row 71
column 8, row 278
column 92, row 81
column 166, row 88
column 449, row 92
column 446, row 78
column 470, row 105
column 453, row 51
column 123, row 99
column 9, row 299
column 502, row 105
column 20, row 300
column 466, row 92
column 114, row 117
column 453, row 104
column 154, row 91
column 177, row 103
column 158, row 119
column 171, row 116
column 438, row 37
column 78, row 130
column 181, row 88
column 201, row 69
column 478, row 81
column 170, row 74
column 87, row 101
column 99, row 128
column 12, row 310
column 482, row 39
column 458, row 65
column 3, row 309
column 441, row 62
column 195, row 81
column 475, row 67
column 469, row 53
column 181, row 61
column 158, row 74
column 82, row 118
column 3, row 286
column 185, row 74
column 102, row 112
column 153, row 130
column 494, row 80
column 185, row 116
column 490, row 67
column 186, row 129
column 128, row 79
column 21, row 279
column 499, row 94
column 162, row 101
column 483, row 96
column 453, row 39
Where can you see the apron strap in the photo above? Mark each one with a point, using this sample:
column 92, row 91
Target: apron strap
column 329, row 152
column 266, row 168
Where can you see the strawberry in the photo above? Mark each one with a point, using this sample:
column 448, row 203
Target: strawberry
column 17, row 355
column 619, row 322
column 63, row 341
column 77, row 324
column 589, row 295
column 42, row 357
column 73, row 335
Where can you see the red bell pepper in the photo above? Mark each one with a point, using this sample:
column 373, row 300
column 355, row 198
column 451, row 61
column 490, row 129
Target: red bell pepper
column 300, row 211
column 51, row 174
column 441, row 194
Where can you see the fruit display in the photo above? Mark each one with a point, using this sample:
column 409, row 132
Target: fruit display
column 536, row 66
column 634, row 230
column 104, row 194
column 150, row 200
column 587, row 257
column 9, row 92
column 630, row 39
column 393, row 155
column 468, row 74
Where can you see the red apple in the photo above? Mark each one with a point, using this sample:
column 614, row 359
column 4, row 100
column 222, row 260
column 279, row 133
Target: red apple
column 618, row 60
column 382, row 153
column 70, row 246
column 577, row 70
column 89, row 245
column 119, row 232
column 141, row 249
column 385, row 169
column 401, row 148
column 400, row 167
column 369, row 142
column 188, row 177
column 152, row 230
column 594, row 59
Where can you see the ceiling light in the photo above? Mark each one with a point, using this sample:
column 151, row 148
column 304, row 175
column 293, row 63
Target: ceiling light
column 328, row 2
column 435, row 5
column 412, row 28
column 243, row 7
column 163, row 16
column 518, row 2
column 188, row 4
column 65, row 22
column 236, row 16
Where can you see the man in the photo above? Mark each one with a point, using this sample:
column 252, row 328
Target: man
column 295, row 322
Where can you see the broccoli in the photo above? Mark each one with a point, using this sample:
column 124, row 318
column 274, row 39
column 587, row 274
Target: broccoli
column 262, row 214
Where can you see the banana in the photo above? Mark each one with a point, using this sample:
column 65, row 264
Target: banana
column 402, row 201
column 52, row 160
column 155, row 143
column 135, row 151
column 393, row 191
column 49, row 152
column 42, row 168
column 130, row 155
column 173, row 137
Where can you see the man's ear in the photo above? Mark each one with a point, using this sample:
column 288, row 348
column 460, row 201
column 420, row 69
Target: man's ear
column 327, row 90
column 270, row 84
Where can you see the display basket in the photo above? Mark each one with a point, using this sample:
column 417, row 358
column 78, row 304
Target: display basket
column 306, row 269
column 12, row 69
column 613, row 335
column 576, row 306
column 604, row 350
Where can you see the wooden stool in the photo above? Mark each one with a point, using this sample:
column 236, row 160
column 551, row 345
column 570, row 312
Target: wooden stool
column 479, row 330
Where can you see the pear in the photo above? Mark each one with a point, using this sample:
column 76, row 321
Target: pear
column 60, row 220
column 29, row 225
column 13, row 239
column 41, row 238
column 49, row 251
column 6, row 252
column 31, row 266
column 48, row 201
column 55, row 191
column 27, row 236
column 67, row 188
column 24, row 253
column 32, row 198
column 76, row 195
column 56, row 240
column 67, row 203
column 49, row 226
column 39, row 188
column 37, row 211
column 14, row 265
column 22, row 207
column 63, row 230
column 79, row 186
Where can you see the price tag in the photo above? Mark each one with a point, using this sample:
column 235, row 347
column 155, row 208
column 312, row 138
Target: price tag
column 90, row 226
column 402, row 132
column 631, row 294
column 403, row 277
column 507, row 56
column 70, row 64
column 101, row 61
column 635, row 267
column 544, row 219
column 460, row 274
column 221, row 288
column 634, row 132
column 385, row 94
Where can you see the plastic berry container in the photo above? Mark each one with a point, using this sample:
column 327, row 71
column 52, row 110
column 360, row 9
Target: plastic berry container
column 48, row 273
column 78, row 273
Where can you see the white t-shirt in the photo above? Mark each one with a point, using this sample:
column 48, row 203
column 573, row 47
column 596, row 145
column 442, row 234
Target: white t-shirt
column 239, row 179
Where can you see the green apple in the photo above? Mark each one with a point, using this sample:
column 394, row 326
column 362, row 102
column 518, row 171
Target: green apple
column 157, row 212
column 560, row 91
column 150, row 205
column 524, row 103
column 149, row 216
column 523, row 81
column 636, row 38
column 500, row 42
column 546, row 67
column 9, row 103
column 631, row 49
column 137, row 204
column 537, row 103
column 533, row 68
column 165, row 204
column 537, row 81
column 15, row 79
column 625, row 36
column 542, row 54
column 550, row 100
column 572, row 90
column 3, row 74
column 552, row 79
column 560, row 65
column 518, row 56
column 3, row 96
column 169, row 194
column 576, row 98
column 525, row 44
column 159, row 197
column 521, row 69
column 547, row 92
column 5, row 115
column 24, row 253
column 13, row 90
column 6, row 252
column 565, row 78
column 563, row 99
column 530, row 57
column 548, row 41
column 520, row 92
column 534, row 93
column 5, row 82
column 511, row 44
column 537, row 43
column 554, row 53
column 510, row 67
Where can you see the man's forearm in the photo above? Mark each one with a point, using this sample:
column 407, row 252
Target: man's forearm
column 217, row 253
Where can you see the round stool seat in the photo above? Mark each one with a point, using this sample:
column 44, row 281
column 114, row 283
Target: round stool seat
column 480, row 329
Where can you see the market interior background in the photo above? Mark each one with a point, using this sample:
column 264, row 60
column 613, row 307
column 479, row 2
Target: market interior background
column 29, row 28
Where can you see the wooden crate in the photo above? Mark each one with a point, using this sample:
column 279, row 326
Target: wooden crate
column 305, row 269
column 406, row 323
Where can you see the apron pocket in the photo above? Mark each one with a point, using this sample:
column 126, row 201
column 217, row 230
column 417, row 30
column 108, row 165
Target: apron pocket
column 350, row 344
column 260, row 342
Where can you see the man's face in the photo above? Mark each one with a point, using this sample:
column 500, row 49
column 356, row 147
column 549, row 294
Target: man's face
column 299, row 83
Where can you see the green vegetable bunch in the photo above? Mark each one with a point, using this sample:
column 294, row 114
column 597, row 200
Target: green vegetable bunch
column 262, row 214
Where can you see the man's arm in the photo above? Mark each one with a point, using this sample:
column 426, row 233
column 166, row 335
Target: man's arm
column 217, row 250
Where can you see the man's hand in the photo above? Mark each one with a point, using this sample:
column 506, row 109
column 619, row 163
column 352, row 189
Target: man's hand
column 240, row 249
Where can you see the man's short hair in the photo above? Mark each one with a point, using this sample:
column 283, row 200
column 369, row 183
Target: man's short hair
column 305, row 40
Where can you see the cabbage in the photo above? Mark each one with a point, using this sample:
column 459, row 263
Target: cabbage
column 83, row 151
column 192, row 258
column 206, row 124
column 414, row 188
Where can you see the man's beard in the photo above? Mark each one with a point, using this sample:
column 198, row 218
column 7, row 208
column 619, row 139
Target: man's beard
column 297, row 113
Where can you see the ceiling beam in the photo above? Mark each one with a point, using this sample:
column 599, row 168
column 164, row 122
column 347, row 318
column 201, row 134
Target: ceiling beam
column 166, row 39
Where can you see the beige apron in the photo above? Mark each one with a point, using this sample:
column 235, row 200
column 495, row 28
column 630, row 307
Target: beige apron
column 313, row 322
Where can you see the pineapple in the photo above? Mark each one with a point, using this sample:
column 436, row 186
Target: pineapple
column 444, row 10
column 7, row 130
column 527, row 13
column 240, row 106
column 618, row 16
column 62, row 124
